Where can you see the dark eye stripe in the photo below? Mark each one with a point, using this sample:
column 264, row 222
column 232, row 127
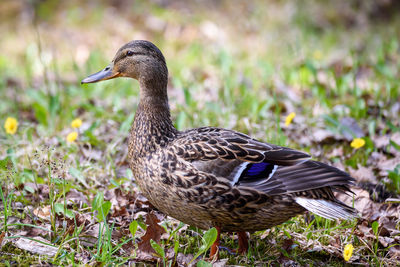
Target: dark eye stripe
column 131, row 53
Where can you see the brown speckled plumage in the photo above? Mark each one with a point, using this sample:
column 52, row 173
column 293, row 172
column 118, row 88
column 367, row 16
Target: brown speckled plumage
column 210, row 176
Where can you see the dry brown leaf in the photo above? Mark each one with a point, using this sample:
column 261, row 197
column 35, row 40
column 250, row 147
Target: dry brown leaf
column 381, row 162
column 381, row 141
column 362, row 202
column 323, row 136
column 220, row 263
column 144, row 256
column 139, row 214
column 336, row 242
column 116, row 197
column 2, row 235
column 132, row 201
column 77, row 197
column 386, row 214
column 27, row 220
column 315, row 245
column 395, row 252
column 90, row 236
column 377, row 191
column 13, row 219
column 92, row 154
column 339, row 165
column 385, row 241
column 388, row 222
column 369, row 210
column 388, row 164
column 365, row 231
column 34, row 231
column 336, row 152
column 139, row 205
column 43, row 213
column 363, row 174
column 153, row 232
column 183, row 260
column 36, row 247
column 120, row 212
column 41, row 190
column 350, row 128
column 80, row 218
column 385, row 237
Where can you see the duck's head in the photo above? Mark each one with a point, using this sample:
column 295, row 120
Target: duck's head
column 140, row 60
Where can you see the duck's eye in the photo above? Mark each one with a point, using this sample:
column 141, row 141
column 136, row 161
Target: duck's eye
column 129, row 53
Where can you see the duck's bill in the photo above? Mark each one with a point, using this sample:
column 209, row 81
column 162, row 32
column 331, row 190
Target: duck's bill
column 102, row 75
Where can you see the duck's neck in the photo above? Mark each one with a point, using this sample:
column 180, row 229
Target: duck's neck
column 152, row 127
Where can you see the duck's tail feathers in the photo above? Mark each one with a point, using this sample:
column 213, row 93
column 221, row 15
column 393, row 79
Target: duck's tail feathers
column 327, row 209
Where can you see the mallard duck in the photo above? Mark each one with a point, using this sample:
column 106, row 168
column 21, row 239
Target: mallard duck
column 214, row 177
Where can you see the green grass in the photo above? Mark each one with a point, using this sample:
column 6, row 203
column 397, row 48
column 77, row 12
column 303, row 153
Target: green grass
column 244, row 82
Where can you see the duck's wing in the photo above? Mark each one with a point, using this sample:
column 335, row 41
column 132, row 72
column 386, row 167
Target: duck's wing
column 312, row 183
column 267, row 168
column 209, row 143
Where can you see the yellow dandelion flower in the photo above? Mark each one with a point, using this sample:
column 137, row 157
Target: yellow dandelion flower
column 71, row 137
column 317, row 55
column 11, row 125
column 347, row 252
column 76, row 123
column 289, row 118
column 357, row 143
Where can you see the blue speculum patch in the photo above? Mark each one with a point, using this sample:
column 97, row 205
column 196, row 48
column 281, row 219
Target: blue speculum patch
column 257, row 168
column 255, row 171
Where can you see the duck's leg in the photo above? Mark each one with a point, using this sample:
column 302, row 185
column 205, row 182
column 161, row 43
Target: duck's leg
column 215, row 246
column 243, row 243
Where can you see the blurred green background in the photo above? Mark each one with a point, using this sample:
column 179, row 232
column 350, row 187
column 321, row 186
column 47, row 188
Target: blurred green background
column 48, row 46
